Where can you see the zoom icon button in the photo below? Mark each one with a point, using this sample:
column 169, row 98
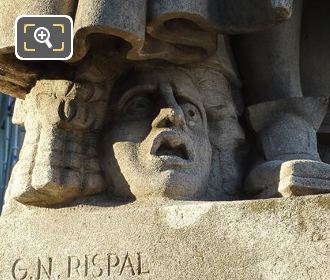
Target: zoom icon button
column 44, row 37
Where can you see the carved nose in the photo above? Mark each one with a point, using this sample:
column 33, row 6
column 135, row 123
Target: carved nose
column 171, row 114
column 168, row 117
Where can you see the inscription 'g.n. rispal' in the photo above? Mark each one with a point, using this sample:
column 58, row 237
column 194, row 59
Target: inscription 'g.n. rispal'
column 96, row 266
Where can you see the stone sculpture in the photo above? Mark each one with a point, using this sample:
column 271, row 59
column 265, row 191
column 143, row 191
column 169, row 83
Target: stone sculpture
column 157, row 142
column 153, row 131
column 80, row 142
column 167, row 109
column 176, row 31
column 163, row 135
column 288, row 101
column 59, row 158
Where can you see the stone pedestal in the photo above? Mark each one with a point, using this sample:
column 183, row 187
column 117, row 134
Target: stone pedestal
column 266, row 239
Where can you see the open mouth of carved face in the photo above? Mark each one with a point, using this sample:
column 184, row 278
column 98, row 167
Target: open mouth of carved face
column 172, row 146
column 167, row 148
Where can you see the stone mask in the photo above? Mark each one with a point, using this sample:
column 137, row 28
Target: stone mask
column 156, row 142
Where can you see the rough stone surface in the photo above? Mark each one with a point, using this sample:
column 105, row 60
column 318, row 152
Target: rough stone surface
column 164, row 137
column 287, row 132
column 130, row 152
column 286, row 112
column 289, row 178
column 59, row 156
column 155, row 130
column 177, row 31
column 268, row 239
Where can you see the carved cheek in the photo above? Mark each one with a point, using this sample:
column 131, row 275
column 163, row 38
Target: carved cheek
column 201, row 141
column 129, row 132
column 197, row 128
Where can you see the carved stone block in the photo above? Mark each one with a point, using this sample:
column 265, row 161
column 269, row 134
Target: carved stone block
column 267, row 239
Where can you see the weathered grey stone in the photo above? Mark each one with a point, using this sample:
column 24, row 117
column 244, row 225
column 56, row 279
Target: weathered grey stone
column 130, row 20
column 278, row 68
column 278, row 178
column 156, row 142
column 287, row 132
column 167, row 131
column 59, row 159
column 177, row 31
column 266, row 239
column 269, row 61
column 302, row 177
column 103, row 131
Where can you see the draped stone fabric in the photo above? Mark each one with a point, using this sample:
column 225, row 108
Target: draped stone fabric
column 180, row 31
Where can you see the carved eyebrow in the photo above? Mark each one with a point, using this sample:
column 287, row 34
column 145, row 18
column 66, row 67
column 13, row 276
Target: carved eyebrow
column 140, row 89
column 180, row 95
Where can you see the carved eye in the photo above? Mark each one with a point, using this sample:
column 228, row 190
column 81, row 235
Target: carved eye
column 191, row 113
column 138, row 107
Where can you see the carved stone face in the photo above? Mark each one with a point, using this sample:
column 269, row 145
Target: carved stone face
column 156, row 144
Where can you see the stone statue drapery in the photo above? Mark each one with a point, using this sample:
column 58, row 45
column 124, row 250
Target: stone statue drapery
column 178, row 31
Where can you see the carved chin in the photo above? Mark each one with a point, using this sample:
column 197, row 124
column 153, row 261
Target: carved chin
column 163, row 176
column 183, row 185
column 174, row 184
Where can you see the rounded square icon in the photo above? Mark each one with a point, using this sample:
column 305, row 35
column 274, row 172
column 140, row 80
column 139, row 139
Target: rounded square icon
column 44, row 37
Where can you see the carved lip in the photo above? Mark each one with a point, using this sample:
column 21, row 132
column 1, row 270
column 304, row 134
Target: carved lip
column 174, row 147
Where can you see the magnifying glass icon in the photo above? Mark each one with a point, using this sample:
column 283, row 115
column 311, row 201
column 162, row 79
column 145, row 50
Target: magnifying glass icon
column 42, row 35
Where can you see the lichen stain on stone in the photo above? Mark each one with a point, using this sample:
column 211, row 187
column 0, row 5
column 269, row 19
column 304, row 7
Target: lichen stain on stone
column 302, row 226
column 259, row 207
column 323, row 202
